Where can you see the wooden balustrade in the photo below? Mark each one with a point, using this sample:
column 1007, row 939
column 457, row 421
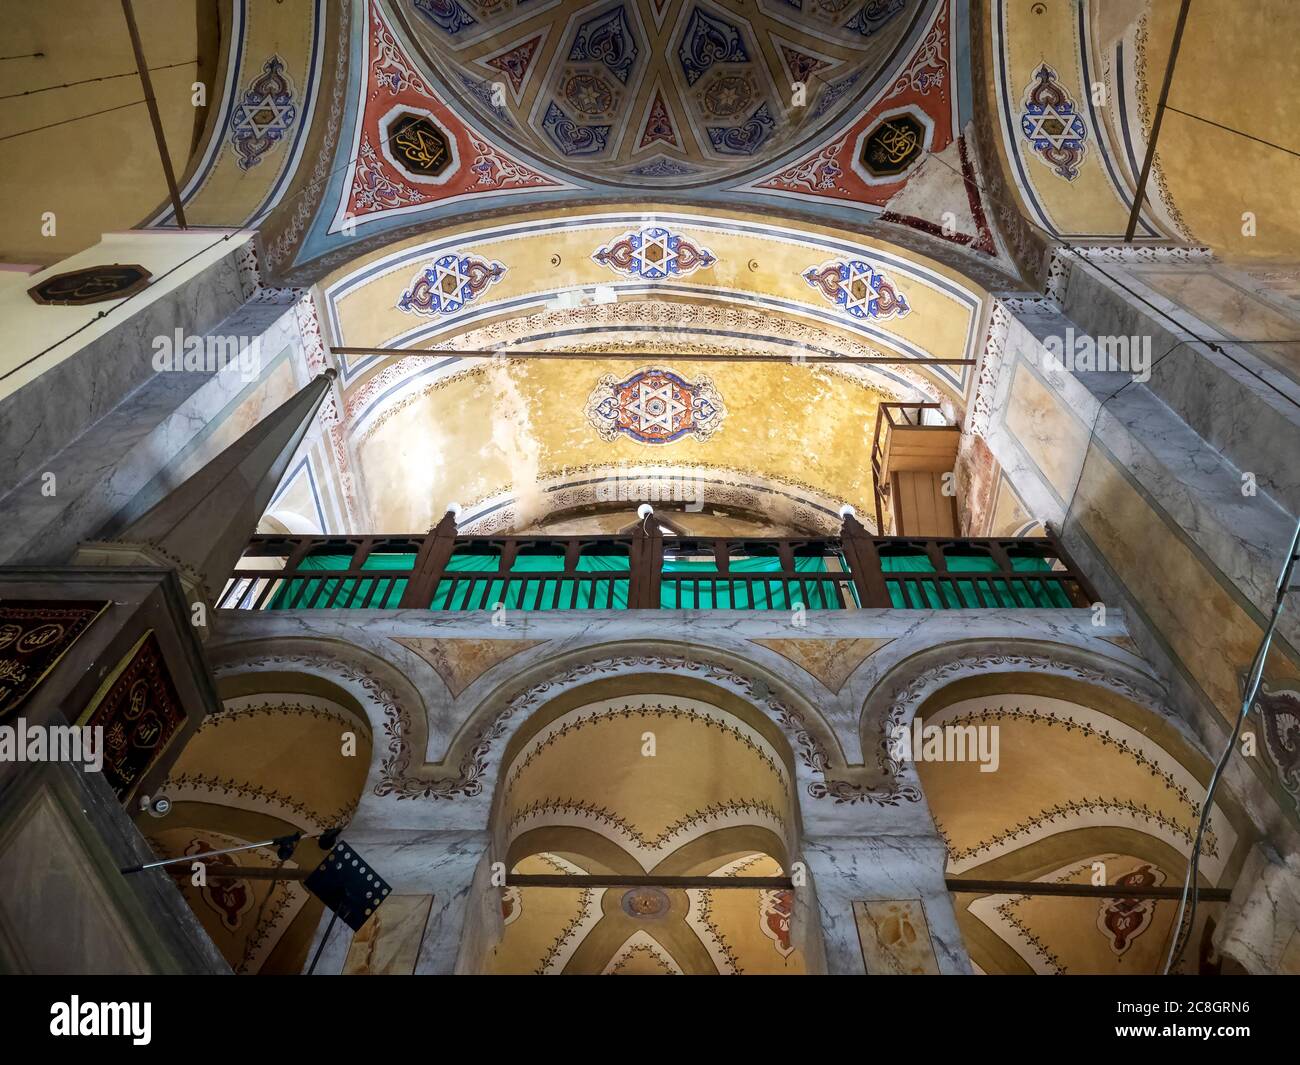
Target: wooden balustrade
column 644, row 570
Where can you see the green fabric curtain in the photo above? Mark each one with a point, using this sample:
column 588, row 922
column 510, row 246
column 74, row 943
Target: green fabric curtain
column 713, row 592
column 529, row 588
column 525, row 592
column 353, row 591
column 947, row 594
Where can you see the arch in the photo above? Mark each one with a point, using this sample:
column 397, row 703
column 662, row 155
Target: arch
column 391, row 704
column 478, row 746
column 579, row 792
column 901, row 690
column 1089, row 783
column 288, row 752
column 549, row 431
column 703, row 738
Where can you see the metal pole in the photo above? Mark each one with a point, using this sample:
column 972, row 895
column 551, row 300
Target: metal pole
column 1077, row 891
column 323, row 940
column 143, row 68
column 624, row 356
column 583, row 881
column 209, row 854
column 1155, row 125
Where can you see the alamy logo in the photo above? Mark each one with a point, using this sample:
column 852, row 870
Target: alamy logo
column 946, row 743
column 103, row 1018
column 1084, row 353
column 21, row 742
column 632, row 487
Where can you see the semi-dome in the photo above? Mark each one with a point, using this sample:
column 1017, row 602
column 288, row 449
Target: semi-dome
column 660, row 92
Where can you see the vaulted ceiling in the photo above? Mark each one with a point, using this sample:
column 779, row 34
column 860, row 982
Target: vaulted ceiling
column 1090, row 788
column 681, row 94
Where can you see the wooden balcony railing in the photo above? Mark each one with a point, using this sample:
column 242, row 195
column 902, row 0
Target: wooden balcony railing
column 646, row 570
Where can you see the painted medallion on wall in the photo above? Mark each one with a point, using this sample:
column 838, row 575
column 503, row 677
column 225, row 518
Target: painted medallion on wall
column 34, row 635
column 418, row 146
column 655, row 406
column 263, row 115
column 450, row 283
column 858, row 288
column 1122, row 920
column 94, row 284
column 140, row 712
column 1052, row 124
column 1279, row 711
column 892, row 146
column 654, row 253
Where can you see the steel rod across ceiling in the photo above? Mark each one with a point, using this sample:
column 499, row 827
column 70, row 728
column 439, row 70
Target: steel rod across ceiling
column 625, row 356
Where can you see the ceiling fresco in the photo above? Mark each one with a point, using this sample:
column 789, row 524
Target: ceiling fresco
column 647, row 90
column 453, row 104
column 655, row 287
column 1058, row 936
column 513, row 441
column 1075, row 89
column 646, row 931
column 587, row 784
column 581, row 792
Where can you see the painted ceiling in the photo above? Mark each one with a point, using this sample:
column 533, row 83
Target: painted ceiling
column 1075, row 86
column 655, row 286
column 516, row 441
column 589, row 784
column 453, row 103
column 307, row 102
column 627, row 932
column 275, row 760
column 676, row 93
column 582, row 790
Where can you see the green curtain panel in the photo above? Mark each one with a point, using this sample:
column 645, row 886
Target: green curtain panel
column 527, row 587
column 709, row 591
column 946, row 593
column 308, row 593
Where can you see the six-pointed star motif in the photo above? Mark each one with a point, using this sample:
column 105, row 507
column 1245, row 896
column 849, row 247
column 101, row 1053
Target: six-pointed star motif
column 450, row 282
column 859, row 288
column 266, row 115
column 1055, row 126
column 655, row 406
column 655, row 255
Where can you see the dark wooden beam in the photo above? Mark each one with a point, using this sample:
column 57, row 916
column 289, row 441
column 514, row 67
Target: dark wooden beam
column 142, row 67
column 1147, row 162
column 1080, row 891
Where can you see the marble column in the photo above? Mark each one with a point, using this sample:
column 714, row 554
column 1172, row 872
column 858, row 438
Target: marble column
column 1261, row 925
column 902, row 869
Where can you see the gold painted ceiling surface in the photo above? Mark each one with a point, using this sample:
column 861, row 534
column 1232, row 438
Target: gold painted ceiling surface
column 503, row 432
column 656, row 91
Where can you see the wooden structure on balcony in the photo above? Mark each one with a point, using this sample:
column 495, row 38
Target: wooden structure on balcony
column 909, row 459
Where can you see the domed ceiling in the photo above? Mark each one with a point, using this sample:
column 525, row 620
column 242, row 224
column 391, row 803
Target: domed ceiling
column 676, row 93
